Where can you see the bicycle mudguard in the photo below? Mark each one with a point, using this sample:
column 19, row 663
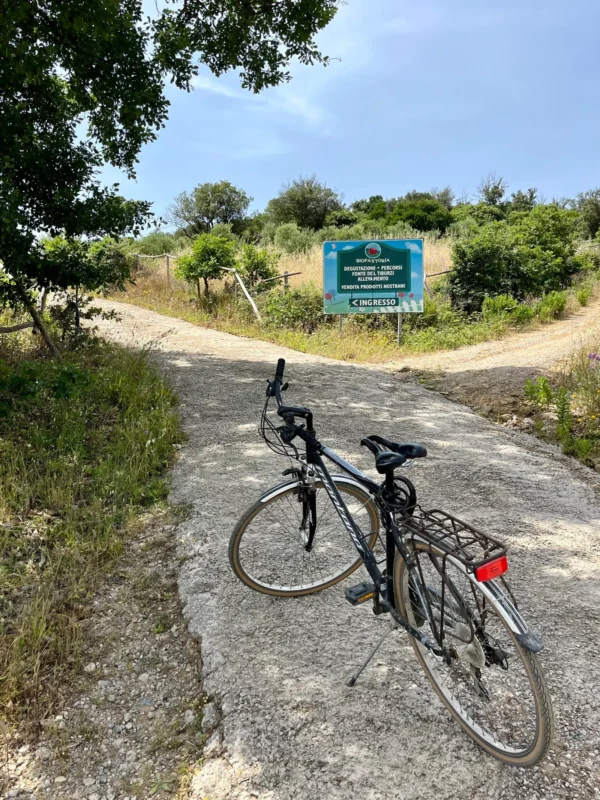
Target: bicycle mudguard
column 283, row 487
column 495, row 590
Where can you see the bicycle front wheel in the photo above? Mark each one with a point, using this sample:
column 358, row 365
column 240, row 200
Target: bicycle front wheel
column 492, row 686
column 268, row 552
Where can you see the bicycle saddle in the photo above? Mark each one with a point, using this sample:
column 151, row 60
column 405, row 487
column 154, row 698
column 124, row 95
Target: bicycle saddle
column 389, row 455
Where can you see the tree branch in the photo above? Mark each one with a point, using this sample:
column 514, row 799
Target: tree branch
column 14, row 328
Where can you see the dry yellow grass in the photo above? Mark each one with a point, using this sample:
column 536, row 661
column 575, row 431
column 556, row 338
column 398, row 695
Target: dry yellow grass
column 438, row 257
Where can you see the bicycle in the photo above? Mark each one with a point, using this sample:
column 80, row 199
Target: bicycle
column 440, row 579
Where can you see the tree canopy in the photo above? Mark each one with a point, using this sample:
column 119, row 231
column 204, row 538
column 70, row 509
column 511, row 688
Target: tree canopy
column 210, row 256
column 305, row 201
column 198, row 211
column 82, row 85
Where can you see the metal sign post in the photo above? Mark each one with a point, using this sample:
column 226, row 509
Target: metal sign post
column 399, row 327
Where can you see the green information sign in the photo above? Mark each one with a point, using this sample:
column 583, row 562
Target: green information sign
column 374, row 268
column 384, row 276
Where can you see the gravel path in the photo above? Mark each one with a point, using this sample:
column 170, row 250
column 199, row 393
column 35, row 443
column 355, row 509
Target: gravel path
column 290, row 728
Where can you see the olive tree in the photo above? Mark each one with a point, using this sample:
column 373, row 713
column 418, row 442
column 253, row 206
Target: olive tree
column 305, row 201
column 209, row 204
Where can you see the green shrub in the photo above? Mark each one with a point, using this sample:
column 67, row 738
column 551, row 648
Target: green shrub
column 539, row 391
column 257, row 265
column 545, row 239
column 301, row 308
column 498, row 306
column 551, row 306
column 485, row 265
column 583, row 294
column 210, row 255
column 532, row 255
column 587, row 260
column 224, row 231
column 155, row 244
column 582, row 448
column 521, row 314
column 291, row 239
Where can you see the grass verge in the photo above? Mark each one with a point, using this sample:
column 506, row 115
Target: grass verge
column 565, row 408
column 83, row 449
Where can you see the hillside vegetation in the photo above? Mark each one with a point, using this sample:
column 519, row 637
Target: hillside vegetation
column 506, row 262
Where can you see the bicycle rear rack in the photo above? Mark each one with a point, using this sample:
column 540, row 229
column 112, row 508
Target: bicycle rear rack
column 452, row 536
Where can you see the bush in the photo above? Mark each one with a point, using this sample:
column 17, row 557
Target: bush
column 291, row 239
column 256, row 265
column 485, row 265
column 210, row 254
column 532, row 255
column 583, row 294
column 551, row 306
column 521, row 314
column 224, row 231
column 301, row 308
column 587, row 260
column 155, row 244
column 498, row 306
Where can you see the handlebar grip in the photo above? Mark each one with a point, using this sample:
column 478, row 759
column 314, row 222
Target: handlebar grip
column 279, row 370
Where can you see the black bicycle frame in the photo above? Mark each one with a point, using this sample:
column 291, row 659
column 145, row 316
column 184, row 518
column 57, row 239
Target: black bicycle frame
column 383, row 583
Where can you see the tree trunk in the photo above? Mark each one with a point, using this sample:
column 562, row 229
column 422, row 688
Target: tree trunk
column 198, row 288
column 205, row 286
column 44, row 300
column 33, row 312
column 77, row 317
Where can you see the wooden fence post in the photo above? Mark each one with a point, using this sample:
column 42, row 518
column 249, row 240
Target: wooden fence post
column 168, row 272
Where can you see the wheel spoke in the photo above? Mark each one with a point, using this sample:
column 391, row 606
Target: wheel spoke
column 498, row 705
column 272, row 553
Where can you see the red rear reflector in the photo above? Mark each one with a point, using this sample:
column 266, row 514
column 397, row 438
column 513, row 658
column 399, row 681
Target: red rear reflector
column 492, row 569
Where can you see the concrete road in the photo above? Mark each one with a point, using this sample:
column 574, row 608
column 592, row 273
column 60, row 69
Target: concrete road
column 289, row 727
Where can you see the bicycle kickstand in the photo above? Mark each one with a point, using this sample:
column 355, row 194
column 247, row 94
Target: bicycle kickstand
column 391, row 627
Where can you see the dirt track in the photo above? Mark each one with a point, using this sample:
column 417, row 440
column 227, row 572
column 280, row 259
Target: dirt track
column 290, row 728
column 490, row 376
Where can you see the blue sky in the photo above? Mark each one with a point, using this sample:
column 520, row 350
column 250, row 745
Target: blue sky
column 423, row 94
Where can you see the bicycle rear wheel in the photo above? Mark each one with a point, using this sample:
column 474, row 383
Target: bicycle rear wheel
column 267, row 548
column 493, row 686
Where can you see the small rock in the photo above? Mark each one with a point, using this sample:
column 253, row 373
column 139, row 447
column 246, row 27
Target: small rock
column 209, row 717
column 60, row 779
column 89, row 782
column 43, row 753
column 189, row 718
column 91, row 667
column 213, row 746
column 144, row 677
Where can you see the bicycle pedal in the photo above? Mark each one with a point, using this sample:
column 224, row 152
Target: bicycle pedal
column 356, row 595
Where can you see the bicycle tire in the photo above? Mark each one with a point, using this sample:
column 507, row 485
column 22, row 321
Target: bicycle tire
column 284, row 493
column 544, row 722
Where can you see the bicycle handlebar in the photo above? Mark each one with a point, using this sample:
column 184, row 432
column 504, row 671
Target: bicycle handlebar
column 275, row 389
column 279, row 370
